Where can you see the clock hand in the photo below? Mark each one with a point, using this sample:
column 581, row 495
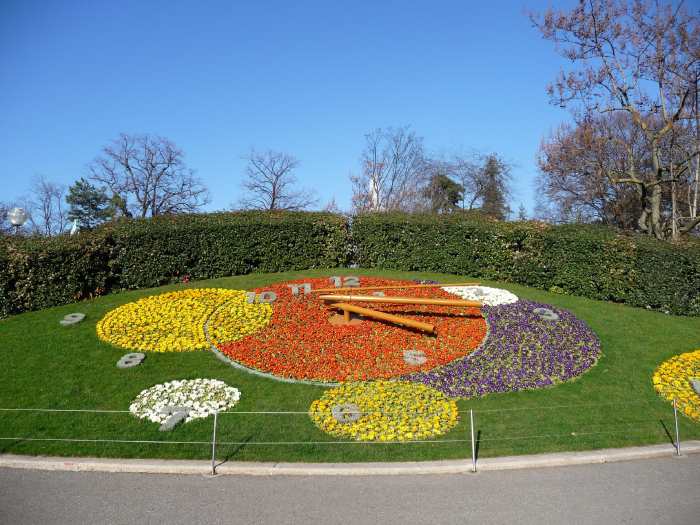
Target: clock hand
column 374, row 314
column 401, row 300
column 363, row 288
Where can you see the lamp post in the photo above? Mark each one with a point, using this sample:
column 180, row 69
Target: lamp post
column 17, row 216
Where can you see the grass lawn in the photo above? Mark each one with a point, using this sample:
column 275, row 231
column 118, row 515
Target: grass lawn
column 49, row 366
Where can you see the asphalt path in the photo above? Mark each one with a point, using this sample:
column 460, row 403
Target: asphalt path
column 655, row 491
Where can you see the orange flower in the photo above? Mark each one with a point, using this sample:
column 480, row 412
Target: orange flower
column 301, row 343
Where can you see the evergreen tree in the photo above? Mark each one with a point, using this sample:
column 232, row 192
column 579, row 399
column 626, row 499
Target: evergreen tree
column 494, row 197
column 444, row 193
column 88, row 204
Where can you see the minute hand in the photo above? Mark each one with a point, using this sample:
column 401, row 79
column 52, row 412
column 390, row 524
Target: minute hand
column 400, row 300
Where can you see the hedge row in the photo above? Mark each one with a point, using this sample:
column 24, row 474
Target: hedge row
column 580, row 260
column 37, row 272
column 589, row 261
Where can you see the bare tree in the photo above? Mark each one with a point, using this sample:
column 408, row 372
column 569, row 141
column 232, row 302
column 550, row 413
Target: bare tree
column 641, row 60
column 393, row 173
column 148, row 175
column 48, row 214
column 574, row 162
column 332, row 206
column 469, row 172
column 270, row 183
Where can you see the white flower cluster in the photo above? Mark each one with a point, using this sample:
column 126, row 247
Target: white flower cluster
column 202, row 397
column 484, row 294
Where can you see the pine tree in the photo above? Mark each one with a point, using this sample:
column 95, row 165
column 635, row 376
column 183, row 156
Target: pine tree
column 494, row 199
column 89, row 205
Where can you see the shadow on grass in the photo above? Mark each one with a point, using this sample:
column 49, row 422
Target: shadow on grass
column 477, row 445
column 668, row 433
column 7, row 446
column 231, row 451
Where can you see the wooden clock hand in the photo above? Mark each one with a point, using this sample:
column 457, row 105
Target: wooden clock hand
column 366, row 288
column 374, row 314
column 400, row 300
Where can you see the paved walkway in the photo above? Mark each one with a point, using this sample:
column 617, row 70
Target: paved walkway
column 659, row 491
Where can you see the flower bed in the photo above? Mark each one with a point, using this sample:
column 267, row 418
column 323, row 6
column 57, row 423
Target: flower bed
column 202, row 397
column 300, row 342
column 524, row 350
column 386, row 411
column 174, row 321
column 672, row 380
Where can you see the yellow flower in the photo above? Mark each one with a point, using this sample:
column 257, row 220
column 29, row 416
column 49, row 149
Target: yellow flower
column 389, row 411
column 175, row 321
column 672, row 380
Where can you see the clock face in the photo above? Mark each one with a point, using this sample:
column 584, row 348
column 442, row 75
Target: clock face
column 307, row 339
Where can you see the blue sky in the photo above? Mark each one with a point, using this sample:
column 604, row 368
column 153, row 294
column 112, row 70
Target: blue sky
column 307, row 78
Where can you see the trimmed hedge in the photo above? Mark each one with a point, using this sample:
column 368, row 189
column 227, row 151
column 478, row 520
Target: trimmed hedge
column 589, row 261
column 593, row 262
column 39, row 272
column 221, row 244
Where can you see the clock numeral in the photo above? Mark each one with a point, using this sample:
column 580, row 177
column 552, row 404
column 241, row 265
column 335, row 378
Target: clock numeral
column 264, row 297
column 349, row 281
column 303, row 286
column 176, row 415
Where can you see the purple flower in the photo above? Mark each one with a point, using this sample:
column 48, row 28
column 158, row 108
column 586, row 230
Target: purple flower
column 523, row 350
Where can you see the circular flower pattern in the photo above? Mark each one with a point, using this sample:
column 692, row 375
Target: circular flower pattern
column 484, row 294
column 389, row 411
column 523, row 351
column 202, row 397
column 174, row 321
column 301, row 343
column 673, row 380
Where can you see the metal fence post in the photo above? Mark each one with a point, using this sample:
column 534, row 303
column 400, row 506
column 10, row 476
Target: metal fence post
column 678, row 438
column 213, row 445
column 471, row 426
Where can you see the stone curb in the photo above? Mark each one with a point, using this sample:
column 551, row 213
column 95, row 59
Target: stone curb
column 203, row 468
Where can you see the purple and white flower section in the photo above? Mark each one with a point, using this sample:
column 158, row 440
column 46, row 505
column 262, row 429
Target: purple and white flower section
column 529, row 346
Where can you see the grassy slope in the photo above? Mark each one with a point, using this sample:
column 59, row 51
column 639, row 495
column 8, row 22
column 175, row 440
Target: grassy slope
column 47, row 366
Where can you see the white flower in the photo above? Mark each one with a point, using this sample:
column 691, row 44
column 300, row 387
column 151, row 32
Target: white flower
column 484, row 294
column 202, row 397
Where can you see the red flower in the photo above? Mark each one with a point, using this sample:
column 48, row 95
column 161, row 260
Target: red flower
column 301, row 343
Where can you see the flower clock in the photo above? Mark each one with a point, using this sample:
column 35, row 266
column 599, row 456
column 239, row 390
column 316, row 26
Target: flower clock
column 395, row 354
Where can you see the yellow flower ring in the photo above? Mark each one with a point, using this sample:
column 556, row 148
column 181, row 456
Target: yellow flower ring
column 672, row 380
column 384, row 411
column 175, row 321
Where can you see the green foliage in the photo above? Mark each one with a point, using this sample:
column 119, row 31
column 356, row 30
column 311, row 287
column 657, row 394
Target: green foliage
column 38, row 272
column 495, row 186
column 222, row 244
column 580, row 260
column 88, row 204
column 443, row 193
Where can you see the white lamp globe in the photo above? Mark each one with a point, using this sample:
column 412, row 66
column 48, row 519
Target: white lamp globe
column 17, row 216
